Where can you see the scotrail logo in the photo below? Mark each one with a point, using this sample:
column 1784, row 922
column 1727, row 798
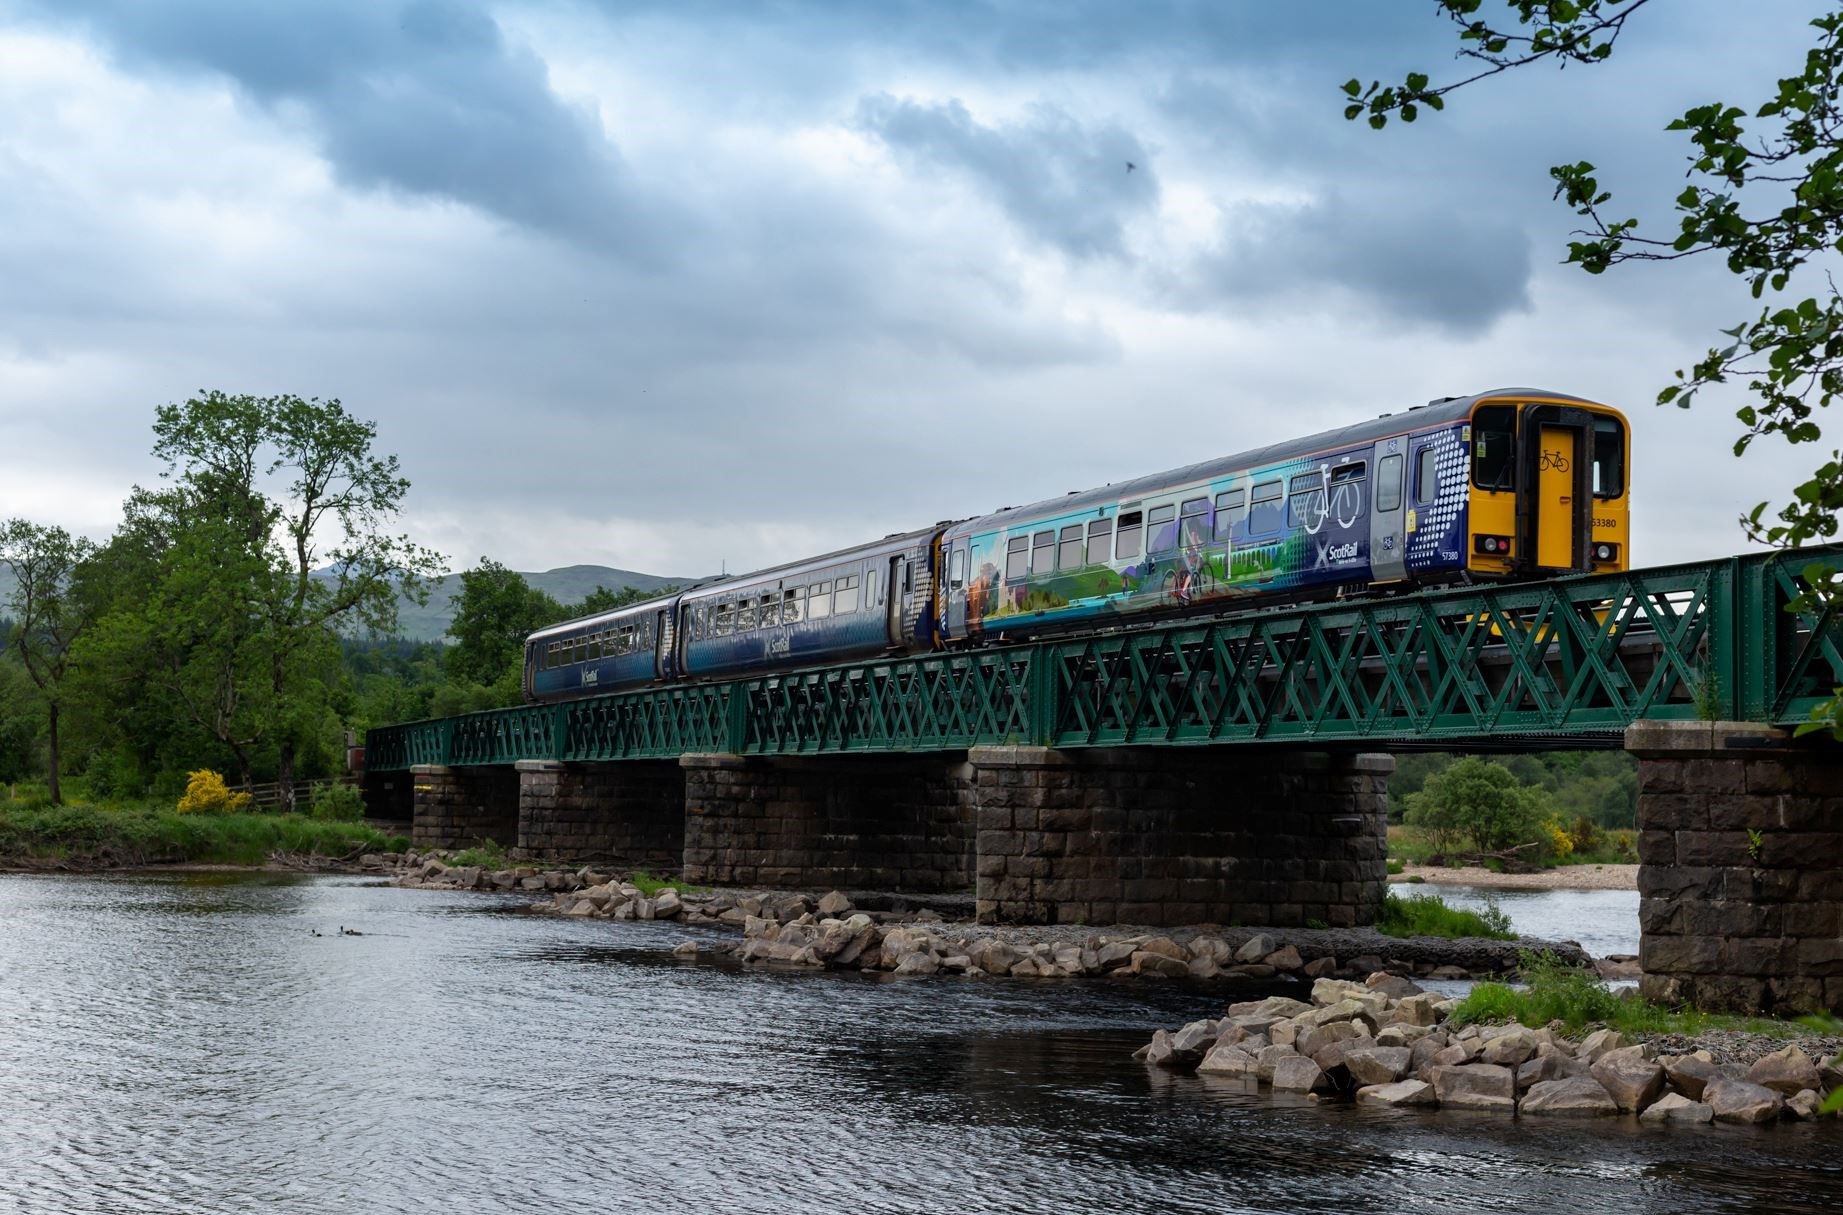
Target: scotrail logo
column 1335, row 554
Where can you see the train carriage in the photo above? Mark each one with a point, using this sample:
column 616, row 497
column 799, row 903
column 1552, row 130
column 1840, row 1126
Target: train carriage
column 1517, row 482
column 872, row 599
column 1508, row 484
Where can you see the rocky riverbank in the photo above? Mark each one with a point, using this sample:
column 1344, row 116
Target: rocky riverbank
column 1385, row 1042
column 834, row 931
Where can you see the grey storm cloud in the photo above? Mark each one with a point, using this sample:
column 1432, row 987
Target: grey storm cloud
column 1062, row 182
column 1430, row 266
column 426, row 97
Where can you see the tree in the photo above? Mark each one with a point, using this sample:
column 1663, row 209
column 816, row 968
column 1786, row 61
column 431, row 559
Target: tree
column 1481, row 799
column 270, row 543
column 601, row 599
column 47, row 618
column 494, row 613
column 1765, row 193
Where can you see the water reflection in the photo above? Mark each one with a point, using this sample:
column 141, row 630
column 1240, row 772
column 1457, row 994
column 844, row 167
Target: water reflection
column 187, row 1044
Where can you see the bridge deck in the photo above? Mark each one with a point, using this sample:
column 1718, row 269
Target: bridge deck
column 1566, row 663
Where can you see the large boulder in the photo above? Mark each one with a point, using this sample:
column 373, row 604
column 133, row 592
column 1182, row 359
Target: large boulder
column 1675, row 1107
column 1478, row 1086
column 1298, row 1074
column 1631, row 1079
column 1115, row 954
column 1395, row 987
column 1400, row 1093
column 1314, row 1038
column 1803, row 1105
column 1742, row 1101
column 1598, row 1043
column 1285, row 958
column 1227, row 1060
column 1577, row 1097
column 1330, row 991
column 1787, row 1072
column 1420, row 1009
column 1269, row 1058
column 1376, row 1065
column 1510, row 1048
column 1256, row 948
column 834, row 905
column 1195, row 1038
column 1147, row 962
column 1691, row 1073
column 1165, row 947
column 1273, row 1007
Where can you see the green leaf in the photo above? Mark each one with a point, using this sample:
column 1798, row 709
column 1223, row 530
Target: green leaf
column 1353, row 86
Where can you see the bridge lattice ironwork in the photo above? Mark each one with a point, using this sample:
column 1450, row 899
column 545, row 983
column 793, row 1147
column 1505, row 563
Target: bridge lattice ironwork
column 1571, row 660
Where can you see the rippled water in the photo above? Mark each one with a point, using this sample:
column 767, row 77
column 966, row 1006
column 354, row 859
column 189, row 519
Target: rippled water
column 1600, row 921
column 185, row 1044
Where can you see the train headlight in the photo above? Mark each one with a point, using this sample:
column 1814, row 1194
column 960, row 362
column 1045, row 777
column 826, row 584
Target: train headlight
column 1605, row 552
column 1493, row 546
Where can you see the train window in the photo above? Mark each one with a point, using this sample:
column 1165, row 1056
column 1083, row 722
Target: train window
column 819, row 601
column 1126, row 545
column 1264, row 510
column 956, row 577
column 726, row 619
column 1100, row 541
column 793, row 605
column 1162, row 531
column 1305, row 503
column 1494, row 447
column 1426, row 475
column 1608, row 458
column 1388, row 483
column 745, row 616
column 580, row 651
column 1017, row 558
column 1070, row 552
column 870, row 588
column 846, row 598
column 1228, row 504
column 1043, row 552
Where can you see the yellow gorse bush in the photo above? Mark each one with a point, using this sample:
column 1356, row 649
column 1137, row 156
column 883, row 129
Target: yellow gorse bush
column 206, row 793
column 1561, row 844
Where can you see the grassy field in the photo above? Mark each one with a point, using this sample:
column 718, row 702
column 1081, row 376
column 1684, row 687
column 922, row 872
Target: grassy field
column 148, row 834
column 1556, row 992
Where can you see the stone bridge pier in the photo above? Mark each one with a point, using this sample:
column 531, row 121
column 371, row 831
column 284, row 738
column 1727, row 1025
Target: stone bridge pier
column 1740, row 848
column 1150, row 836
column 1171, row 836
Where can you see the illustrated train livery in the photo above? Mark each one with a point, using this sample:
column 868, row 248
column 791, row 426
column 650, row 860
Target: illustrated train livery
column 1512, row 484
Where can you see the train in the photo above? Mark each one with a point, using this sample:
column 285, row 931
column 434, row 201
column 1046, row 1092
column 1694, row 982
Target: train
column 1505, row 485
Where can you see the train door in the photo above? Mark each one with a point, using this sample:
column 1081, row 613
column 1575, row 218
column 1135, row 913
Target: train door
column 662, row 644
column 954, row 590
column 1555, row 507
column 1388, row 537
column 898, row 598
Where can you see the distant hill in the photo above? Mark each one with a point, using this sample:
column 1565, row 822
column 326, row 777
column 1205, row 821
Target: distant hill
column 571, row 584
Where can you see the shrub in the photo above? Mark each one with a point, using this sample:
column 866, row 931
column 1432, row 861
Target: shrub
column 1483, row 800
column 338, row 803
column 1427, row 915
column 1560, row 843
column 206, row 794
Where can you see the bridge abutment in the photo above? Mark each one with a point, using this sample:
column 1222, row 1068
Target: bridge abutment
column 1180, row 836
column 1740, row 846
column 630, row 813
column 887, row 822
column 457, row 807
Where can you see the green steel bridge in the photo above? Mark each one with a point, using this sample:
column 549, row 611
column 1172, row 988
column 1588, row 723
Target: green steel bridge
column 1566, row 663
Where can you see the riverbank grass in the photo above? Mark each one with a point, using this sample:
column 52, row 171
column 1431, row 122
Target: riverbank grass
column 1427, row 915
column 1555, row 991
column 161, row 835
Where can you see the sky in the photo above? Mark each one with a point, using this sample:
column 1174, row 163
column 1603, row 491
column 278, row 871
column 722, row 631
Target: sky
column 675, row 287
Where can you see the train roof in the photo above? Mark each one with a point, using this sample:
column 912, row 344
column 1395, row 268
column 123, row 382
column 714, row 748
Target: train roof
column 1418, row 417
column 895, row 542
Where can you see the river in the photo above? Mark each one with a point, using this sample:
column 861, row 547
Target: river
column 186, row 1044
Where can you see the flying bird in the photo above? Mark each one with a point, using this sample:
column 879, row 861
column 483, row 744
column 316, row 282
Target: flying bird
column 1130, row 166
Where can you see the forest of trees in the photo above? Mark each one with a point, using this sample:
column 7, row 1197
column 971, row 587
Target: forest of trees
column 242, row 615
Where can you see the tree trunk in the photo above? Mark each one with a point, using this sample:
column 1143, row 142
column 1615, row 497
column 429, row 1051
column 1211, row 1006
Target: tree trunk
column 55, row 756
column 284, row 776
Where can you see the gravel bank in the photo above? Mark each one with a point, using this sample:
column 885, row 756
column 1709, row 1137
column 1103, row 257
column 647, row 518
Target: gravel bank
column 1562, row 877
